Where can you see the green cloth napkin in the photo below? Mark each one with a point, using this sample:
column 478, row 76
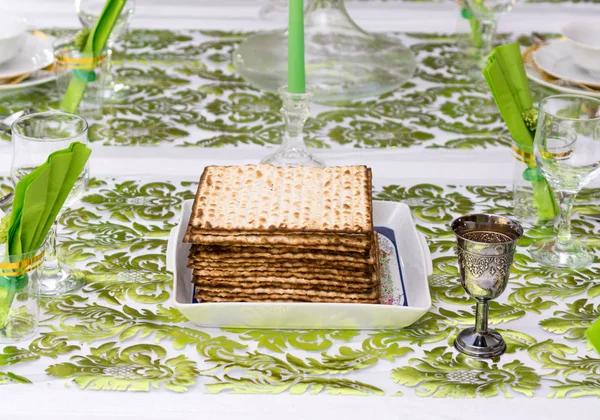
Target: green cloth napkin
column 506, row 77
column 593, row 335
column 38, row 198
column 96, row 42
column 475, row 26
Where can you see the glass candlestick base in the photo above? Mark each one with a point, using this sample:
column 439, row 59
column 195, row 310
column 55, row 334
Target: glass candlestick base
column 343, row 62
column 293, row 151
column 293, row 157
column 114, row 92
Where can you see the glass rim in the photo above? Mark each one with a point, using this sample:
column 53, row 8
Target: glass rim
column 458, row 226
column 69, row 42
column 49, row 113
column 569, row 96
column 18, row 264
column 25, row 255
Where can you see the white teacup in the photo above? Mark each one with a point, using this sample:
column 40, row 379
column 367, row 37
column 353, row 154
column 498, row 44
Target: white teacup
column 12, row 35
column 584, row 37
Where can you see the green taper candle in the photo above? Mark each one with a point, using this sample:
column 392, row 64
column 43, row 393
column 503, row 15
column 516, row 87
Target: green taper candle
column 296, row 77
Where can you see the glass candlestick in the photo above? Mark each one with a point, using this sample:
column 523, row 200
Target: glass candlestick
column 293, row 151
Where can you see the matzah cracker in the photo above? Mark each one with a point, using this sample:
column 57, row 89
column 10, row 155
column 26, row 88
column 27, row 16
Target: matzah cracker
column 267, row 265
column 301, row 272
column 201, row 250
column 283, row 199
column 265, row 233
column 366, row 280
column 285, row 293
column 197, row 253
column 332, row 242
column 215, row 298
column 204, row 288
column 315, row 284
column 342, row 259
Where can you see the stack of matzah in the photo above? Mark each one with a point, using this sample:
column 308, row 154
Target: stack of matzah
column 267, row 233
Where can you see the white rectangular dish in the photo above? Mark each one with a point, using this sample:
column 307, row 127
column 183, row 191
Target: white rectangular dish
column 405, row 290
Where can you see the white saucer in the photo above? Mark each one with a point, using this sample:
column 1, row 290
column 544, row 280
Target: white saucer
column 535, row 75
column 36, row 54
column 37, row 78
column 555, row 59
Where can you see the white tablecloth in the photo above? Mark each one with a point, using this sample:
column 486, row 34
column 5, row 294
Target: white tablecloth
column 50, row 399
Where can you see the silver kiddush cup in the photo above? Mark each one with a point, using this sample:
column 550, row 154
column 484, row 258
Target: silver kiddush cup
column 486, row 247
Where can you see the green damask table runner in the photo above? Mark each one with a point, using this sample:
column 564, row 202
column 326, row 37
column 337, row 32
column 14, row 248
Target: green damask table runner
column 121, row 333
column 186, row 94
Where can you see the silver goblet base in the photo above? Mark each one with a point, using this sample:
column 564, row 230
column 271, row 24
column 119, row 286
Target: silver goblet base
column 483, row 345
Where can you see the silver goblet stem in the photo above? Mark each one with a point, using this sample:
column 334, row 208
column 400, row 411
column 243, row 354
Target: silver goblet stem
column 481, row 316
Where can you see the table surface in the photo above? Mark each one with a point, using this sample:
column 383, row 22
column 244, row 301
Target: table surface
column 118, row 349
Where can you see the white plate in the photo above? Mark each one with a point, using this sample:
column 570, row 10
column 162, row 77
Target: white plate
column 415, row 266
column 36, row 54
column 535, row 75
column 555, row 59
column 37, row 78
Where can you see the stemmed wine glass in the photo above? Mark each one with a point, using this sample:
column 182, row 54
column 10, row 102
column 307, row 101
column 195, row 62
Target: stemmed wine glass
column 567, row 152
column 488, row 13
column 88, row 12
column 34, row 137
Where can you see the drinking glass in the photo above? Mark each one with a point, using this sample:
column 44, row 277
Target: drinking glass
column 567, row 152
column 34, row 137
column 88, row 12
column 488, row 13
column 69, row 62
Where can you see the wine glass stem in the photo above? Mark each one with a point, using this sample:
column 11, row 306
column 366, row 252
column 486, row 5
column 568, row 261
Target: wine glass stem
column 481, row 316
column 488, row 29
column 108, row 77
column 51, row 258
column 564, row 240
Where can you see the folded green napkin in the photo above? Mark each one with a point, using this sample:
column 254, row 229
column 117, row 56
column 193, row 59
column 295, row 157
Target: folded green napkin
column 506, row 77
column 38, row 198
column 96, row 42
column 593, row 335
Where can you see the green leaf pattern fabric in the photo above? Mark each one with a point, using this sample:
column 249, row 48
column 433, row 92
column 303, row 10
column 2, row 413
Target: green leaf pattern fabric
column 187, row 94
column 121, row 333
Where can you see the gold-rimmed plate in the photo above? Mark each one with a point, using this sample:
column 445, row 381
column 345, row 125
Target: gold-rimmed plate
column 32, row 66
column 554, row 58
column 35, row 55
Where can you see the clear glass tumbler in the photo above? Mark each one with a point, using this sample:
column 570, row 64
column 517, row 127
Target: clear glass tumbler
column 525, row 174
column 35, row 137
column 91, row 68
column 19, row 295
column 88, row 12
